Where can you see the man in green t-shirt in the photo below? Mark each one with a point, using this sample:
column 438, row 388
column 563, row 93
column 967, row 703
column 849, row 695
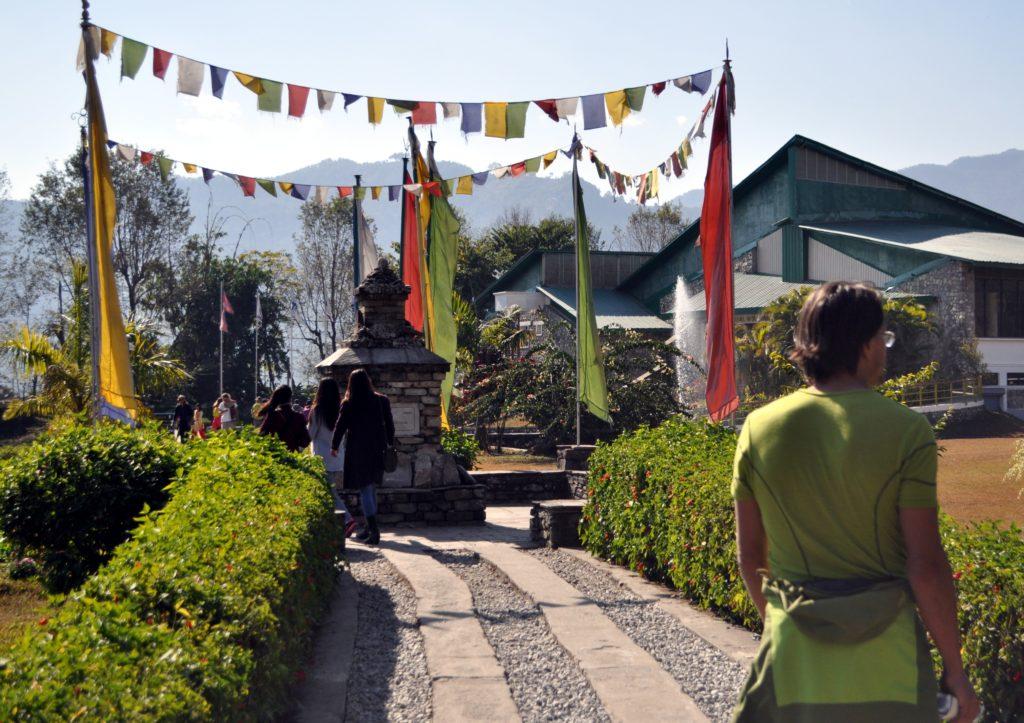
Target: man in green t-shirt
column 837, row 532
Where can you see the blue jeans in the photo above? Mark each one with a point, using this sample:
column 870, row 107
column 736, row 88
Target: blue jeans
column 368, row 499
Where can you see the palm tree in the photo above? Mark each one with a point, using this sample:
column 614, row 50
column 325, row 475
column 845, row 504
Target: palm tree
column 65, row 372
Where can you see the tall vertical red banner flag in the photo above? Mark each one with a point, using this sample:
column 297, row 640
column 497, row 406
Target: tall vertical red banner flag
column 411, row 258
column 716, row 250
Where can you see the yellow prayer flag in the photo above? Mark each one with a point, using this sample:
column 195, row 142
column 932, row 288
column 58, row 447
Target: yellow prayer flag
column 250, row 81
column 189, row 167
column 113, row 381
column 465, row 186
column 375, row 192
column 618, row 108
column 687, row 151
column 494, row 117
column 652, row 192
column 285, row 187
column 107, row 40
column 375, row 109
column 549, row 158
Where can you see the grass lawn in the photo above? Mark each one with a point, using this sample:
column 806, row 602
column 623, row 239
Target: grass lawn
column 22, row 603
column 971, row 484
column 513, row 461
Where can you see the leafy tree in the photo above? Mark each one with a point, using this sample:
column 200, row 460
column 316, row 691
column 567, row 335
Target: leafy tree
column 152, row 223
column 649, row 229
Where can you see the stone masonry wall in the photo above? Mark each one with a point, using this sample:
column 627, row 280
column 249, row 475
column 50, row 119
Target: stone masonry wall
column 952, row 285
column 460, row 504
column 522, row 486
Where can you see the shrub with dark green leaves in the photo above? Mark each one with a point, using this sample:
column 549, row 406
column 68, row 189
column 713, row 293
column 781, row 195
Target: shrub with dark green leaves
column 206, row 613
column 70, row 498
column 660, row 503
column 460, row 445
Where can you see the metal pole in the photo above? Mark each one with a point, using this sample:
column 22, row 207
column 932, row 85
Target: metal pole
column 576, row 217
column 94, row 290
column 221, row 327
column 401, row 235
column 355, row 250
column 256, row 383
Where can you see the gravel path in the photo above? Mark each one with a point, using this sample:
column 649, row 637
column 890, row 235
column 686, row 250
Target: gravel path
column 703, row 672
column 546, row 683
column 389, row 670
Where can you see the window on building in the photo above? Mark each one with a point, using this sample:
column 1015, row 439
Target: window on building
column 1014, row 379
column 990, row 379
column 999, row 303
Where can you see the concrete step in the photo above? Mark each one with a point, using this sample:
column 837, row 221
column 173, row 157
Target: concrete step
column 631, row 685
column 468, row 683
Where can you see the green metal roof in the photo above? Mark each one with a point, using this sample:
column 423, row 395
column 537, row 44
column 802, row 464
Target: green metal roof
column 612, row 308
column 958, row 243
column 753, row 292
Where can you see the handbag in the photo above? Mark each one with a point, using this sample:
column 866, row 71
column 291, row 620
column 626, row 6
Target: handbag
column 390, row 454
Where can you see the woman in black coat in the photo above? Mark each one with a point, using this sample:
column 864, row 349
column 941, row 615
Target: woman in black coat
column 366, row 417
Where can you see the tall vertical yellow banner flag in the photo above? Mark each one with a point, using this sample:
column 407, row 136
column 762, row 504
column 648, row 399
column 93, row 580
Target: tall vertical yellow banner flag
column 111, row 366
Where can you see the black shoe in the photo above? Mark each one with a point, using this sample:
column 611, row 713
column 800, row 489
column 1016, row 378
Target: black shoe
column 363, row 536
column 374, row 532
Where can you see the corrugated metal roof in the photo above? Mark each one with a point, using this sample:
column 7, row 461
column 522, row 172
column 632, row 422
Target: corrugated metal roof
column 959, row 243
column 612, row 308
column 753, row 292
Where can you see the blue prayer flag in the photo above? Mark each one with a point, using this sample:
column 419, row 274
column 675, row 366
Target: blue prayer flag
column 593, row 111
column 472, row 117
column 300, row 190
column 218, row 76
column 701, row 82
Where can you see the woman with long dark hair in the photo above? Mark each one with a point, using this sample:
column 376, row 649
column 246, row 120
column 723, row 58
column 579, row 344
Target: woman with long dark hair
column 322, row 417
column 282, row 421
column 366, row 416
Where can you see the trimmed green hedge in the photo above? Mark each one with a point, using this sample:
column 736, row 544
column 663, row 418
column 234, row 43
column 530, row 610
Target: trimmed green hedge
column 206, row 613
column 71, row 497
column 660, row 503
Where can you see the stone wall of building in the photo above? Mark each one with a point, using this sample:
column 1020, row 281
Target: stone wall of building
column 502, row 487
column 952, row 286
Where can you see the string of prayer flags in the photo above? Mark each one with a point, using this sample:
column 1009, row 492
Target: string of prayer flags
column 500, row 119
column 457, row 185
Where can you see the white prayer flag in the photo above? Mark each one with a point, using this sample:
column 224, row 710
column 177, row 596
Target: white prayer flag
column 325, row 99
column 368, row 256
column 566, row 107
column 451, row 110
column 126, row 152
column 190, row 76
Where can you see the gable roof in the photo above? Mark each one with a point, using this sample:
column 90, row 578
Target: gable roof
column 781, row 157
column 611, row 308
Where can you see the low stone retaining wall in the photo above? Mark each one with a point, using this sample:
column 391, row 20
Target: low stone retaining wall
column 577, row 480
column 522, row 486
column 556, row 523
column 454, row 505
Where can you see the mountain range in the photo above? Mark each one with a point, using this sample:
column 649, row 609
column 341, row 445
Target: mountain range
column 995, row 181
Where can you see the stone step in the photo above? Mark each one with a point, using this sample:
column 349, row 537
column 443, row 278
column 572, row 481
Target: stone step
column 467, row 681
column 631, row 685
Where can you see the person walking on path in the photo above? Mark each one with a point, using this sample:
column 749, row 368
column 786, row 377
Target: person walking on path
column 228, row 411
column 198, row 424
column 256, row 410
column 280, row 420
column 322, row 417
column 366, row 418
column 182, row 419
column 837, row 535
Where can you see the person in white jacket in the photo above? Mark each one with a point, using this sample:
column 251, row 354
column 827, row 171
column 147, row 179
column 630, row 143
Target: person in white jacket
column 322, row 418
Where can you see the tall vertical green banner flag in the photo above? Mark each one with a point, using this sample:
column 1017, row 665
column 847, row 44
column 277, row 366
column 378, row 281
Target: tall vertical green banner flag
column 591, row 386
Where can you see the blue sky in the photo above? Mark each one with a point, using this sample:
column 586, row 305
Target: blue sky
column 896, row 83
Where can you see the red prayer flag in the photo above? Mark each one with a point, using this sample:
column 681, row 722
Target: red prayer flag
column 549, row 108
column 716, row 249
column 297, row 96
column 425, row 113
column 518, row 169
column 225, row 308
column 411, row 257
column 658, row 87
column 161, row 59
column 344, row 191
column 145, row 157
column 248, row 185
column 433, row 188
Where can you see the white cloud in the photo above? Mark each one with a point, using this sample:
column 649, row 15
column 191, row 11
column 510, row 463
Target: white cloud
column 681, row 120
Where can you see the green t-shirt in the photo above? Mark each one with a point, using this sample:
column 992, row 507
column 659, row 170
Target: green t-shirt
column 829, row 472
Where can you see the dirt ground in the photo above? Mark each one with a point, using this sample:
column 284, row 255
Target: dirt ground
column 971, row 480
column 513, row 461
column 22, row 602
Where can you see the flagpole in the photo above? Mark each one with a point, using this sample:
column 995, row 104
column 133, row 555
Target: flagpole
column 256, row 383
column 221, row 327
column 576, row 216
column 355, row 250
column 90, row 239
column 401, row 236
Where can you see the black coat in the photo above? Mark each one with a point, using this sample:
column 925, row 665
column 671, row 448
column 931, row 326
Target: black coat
column 369, row 432
column 183, row 417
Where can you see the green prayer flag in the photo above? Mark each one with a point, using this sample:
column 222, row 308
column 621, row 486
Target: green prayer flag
column 165, row 164
column 635, row 97
column 443, row 235
column 133, row 53
column 592, row 389
column 449, row 187
column 515, row 119
column 268, row 186
column 270, row 98
column 533, row 164
column 359, row 192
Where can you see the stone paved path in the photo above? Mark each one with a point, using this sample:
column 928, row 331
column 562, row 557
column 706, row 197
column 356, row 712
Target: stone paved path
column 466, row 680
